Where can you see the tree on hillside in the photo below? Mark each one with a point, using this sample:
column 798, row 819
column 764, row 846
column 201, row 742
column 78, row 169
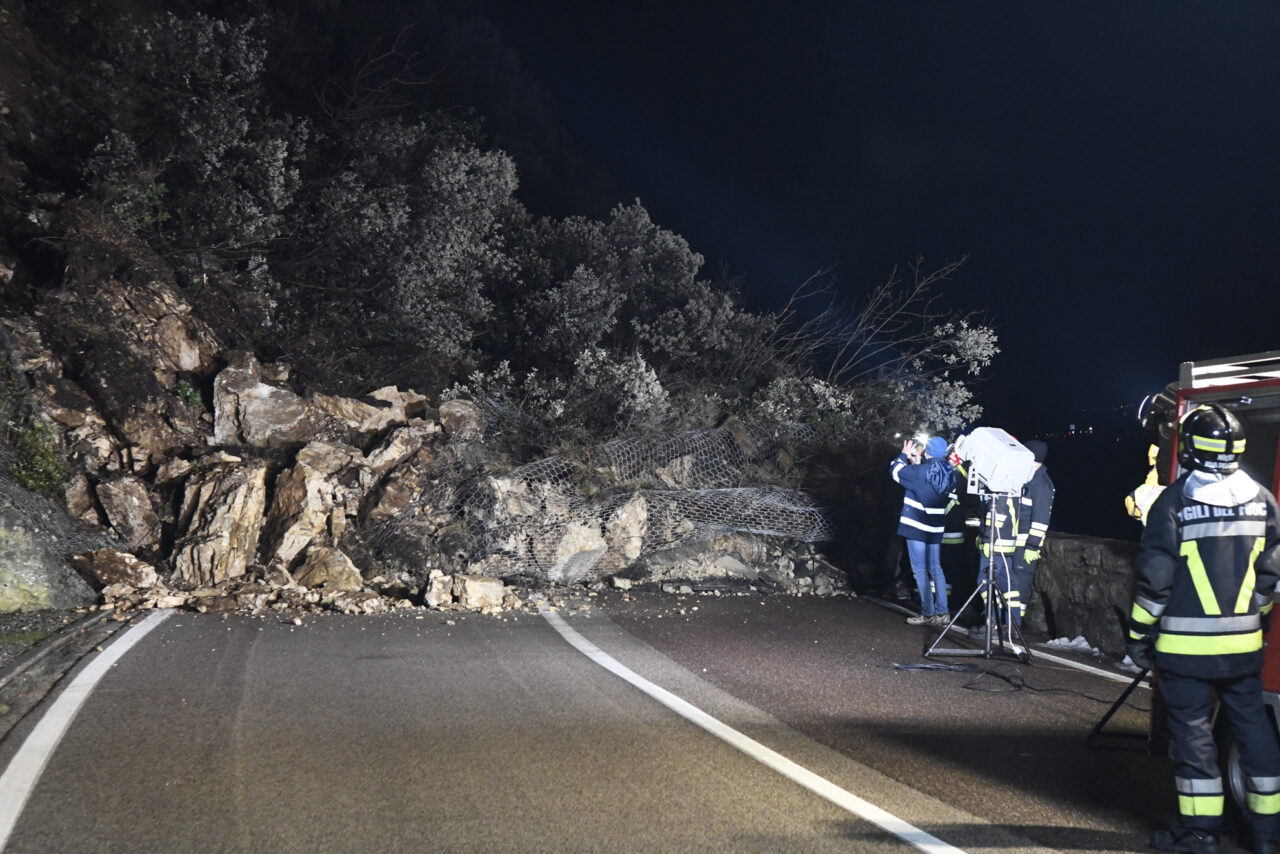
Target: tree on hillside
column 386, row 237
column 896, row 361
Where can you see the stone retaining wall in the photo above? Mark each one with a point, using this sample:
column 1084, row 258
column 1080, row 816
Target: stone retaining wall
column 1083, row 588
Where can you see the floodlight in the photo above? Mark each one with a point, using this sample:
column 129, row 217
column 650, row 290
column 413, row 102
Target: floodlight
column 997, row 462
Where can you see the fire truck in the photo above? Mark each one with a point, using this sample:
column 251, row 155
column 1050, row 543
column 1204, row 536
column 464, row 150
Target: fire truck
column 1250, row 387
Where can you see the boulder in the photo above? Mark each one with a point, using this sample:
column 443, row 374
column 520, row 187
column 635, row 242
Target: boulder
column 407, row 404
column 393, row 408
column 625, row 528
column 329, row 569
column 105, row 567
column 679, row 473
column 401, row 444
column 477, row 593
column 220, row 523
column 439, row 589
column 249, row 411
column 359, row 602
column 313, row 500
column 738, row 556
column 401, row 487
column 63, row 401
column 79, row 497
column 576, row 553
column 34, row 575
column 365, row 419
column 512, row 497
column 127, row 504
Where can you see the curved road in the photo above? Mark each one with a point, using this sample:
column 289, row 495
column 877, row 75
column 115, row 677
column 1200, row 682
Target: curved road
column 437, row 732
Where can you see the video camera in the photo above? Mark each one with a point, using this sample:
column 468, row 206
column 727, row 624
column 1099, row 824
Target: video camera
column 996, row 462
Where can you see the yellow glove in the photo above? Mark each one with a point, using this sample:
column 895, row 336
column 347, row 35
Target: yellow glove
column 1031, row 555
column 984, row 547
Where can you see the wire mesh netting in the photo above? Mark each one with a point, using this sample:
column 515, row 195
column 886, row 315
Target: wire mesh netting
column 567, row 519
column 20, row 433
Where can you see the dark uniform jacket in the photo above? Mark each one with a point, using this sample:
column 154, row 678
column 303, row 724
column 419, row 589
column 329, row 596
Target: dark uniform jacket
column 1036, row 506
column 1208, row 567
column 924, row 506
column 1000, row 523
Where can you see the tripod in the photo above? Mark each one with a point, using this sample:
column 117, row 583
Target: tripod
column 1097, row 729
column 986, row 585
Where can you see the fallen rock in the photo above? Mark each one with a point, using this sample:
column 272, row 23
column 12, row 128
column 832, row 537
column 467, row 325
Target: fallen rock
column 439, row 591
column 476, row 593
column 359, row 602
column 220, row 523
column 330, row 569
column 106, row 567
column 576, row 553
column 251, row 412
column 127, row 504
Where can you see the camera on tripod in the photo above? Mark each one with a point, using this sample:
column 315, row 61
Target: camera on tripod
column 996, row 462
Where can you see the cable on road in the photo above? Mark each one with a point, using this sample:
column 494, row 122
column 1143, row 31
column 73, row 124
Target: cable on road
column 1011, row 676
column 958, row 668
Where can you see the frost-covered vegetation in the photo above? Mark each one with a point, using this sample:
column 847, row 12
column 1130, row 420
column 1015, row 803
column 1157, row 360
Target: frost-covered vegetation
column 379, row 237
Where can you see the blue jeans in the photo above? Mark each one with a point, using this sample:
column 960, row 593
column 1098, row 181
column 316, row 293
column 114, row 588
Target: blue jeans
column 926, row 565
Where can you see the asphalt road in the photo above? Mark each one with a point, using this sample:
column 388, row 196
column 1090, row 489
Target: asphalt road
column 434, row 732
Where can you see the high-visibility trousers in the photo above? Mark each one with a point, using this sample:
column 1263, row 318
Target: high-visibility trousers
column 1197, row 774
column 1002, row 577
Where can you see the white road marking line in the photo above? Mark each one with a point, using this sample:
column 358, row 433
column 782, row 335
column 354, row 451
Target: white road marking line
column 1085, row 668
column 818, row 785
column 19, row 779
column 1039, row 651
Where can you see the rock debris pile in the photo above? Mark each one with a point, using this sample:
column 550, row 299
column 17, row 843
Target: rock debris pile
column 202, row 478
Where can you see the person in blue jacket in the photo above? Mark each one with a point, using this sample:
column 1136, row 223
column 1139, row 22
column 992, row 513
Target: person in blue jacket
column 928, row 486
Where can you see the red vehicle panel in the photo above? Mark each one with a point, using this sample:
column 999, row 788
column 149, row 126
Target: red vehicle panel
column 1250, row 387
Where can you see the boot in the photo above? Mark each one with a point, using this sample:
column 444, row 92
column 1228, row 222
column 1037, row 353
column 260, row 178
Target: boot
column 1185, row 839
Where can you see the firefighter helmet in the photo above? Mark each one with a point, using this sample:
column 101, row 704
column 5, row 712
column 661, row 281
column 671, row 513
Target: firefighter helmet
column 1210, row 439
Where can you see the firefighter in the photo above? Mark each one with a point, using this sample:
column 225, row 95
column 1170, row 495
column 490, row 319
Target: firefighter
column 1206, row 571
column 997, row 541
column 1138, row 502
column 1033, row 525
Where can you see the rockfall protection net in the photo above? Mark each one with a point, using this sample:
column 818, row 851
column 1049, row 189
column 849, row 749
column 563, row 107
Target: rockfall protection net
column 569, row 519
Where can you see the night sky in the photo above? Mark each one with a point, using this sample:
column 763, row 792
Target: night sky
column 1109, row 168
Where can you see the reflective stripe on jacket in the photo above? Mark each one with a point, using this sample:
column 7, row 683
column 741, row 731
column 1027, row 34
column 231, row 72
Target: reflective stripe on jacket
column 1205, row 573
column 1037, row 505
column 924, row 509
column 1004, row 536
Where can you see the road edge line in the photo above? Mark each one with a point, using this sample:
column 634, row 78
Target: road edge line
column 20, row 778
column 815, row 783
